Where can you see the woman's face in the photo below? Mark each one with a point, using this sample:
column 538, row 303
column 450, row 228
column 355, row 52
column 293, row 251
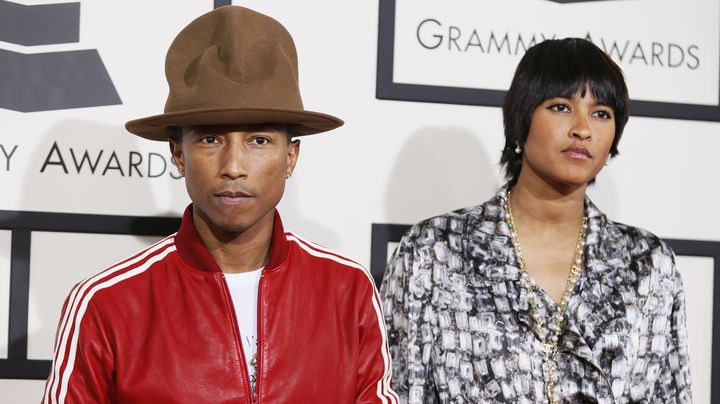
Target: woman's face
column 569, row 140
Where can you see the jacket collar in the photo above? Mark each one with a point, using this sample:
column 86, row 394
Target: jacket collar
column 193, row 251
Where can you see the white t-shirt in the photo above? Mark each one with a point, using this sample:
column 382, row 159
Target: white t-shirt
column 244, row 293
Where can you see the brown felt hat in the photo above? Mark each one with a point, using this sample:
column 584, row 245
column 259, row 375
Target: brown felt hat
column 233, row 66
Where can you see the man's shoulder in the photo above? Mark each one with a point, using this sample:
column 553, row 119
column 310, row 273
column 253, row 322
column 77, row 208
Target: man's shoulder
column 319, row 252
column 323, row 258
column 136, row 265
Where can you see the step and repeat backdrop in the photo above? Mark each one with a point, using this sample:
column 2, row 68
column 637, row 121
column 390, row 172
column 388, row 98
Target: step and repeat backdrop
column 467, row 53
column 418, row 83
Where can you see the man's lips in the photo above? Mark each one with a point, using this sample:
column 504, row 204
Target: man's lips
column 577, row 152
column 232, row 197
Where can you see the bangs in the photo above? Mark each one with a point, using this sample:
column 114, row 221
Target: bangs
column 563, row 73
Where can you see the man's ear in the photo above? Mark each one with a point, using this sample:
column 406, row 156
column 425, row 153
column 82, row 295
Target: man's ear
column 176, row 152
column 293, row 155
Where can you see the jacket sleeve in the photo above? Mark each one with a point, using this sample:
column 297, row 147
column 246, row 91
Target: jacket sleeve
column 374, row 368
column 403, row 314
column 673, row 382
column 82, row 368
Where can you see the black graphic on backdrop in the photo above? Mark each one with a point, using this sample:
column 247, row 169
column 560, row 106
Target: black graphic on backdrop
column 21, row 225
column 45, row 24
column 53, row 80
column 439, row 36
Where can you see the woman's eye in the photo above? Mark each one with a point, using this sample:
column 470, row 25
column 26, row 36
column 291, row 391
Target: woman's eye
column 603, row 114
column 559, row 108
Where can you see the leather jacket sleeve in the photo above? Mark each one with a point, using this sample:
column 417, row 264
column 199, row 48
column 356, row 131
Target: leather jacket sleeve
column 82, row 368
column 373, row 375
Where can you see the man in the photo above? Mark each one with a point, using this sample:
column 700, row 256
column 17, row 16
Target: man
column 231, row 308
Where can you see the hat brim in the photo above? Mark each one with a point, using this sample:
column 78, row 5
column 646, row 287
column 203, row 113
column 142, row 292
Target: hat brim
column 161, row 127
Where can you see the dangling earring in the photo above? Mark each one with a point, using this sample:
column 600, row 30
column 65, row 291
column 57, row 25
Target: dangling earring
column 518, row 150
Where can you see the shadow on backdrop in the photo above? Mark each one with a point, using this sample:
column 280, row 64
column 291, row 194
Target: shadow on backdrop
column 439, row 170
column 294, row 221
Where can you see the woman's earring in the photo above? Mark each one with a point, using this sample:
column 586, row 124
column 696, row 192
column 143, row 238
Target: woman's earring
column 181, row 171
column 518, row 150
column 289, row 175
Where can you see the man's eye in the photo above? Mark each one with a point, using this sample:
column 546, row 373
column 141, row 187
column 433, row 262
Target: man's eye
column 208, row 139
column 261, row 140
column 559, row 107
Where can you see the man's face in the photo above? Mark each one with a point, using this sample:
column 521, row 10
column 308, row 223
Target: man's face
column 235, row 175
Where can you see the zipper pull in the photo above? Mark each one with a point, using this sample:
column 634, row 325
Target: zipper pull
column 254, row 397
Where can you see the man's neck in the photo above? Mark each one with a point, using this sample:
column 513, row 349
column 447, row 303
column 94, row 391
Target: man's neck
column 237, row 252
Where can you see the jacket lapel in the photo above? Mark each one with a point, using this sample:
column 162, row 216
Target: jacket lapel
column 601, row 310
column 500, row 269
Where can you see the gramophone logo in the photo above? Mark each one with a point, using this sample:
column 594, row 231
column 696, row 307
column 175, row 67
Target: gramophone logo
column 32, row 82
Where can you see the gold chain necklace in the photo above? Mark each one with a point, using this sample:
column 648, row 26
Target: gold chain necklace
column 549, row 348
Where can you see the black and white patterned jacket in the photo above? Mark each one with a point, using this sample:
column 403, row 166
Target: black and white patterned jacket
column 461, row 332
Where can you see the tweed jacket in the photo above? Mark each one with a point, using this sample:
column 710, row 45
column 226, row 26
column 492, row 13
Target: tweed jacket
column 460, row 328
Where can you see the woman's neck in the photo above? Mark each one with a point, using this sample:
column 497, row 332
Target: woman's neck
column 540, row 204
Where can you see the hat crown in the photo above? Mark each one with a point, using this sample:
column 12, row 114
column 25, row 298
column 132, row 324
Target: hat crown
column 232, row 66
column 232, row 58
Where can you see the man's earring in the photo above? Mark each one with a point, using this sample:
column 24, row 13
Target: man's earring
column 289, row 175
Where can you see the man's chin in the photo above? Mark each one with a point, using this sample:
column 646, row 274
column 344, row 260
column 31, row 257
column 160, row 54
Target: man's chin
column 231, row 227
column 228, row 223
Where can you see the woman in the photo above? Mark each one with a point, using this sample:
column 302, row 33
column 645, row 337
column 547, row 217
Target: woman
column 535, row 296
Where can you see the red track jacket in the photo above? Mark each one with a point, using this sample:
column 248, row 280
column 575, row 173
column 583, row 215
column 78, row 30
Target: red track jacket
column 160, row 327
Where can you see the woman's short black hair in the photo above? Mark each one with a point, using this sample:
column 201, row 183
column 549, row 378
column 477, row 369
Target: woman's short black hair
column 559, row 68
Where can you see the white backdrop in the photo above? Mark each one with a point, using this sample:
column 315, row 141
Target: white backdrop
column 650, row 41
column 393, row 161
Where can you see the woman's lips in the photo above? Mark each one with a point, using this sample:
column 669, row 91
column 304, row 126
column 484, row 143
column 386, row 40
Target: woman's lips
column 577, row 152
